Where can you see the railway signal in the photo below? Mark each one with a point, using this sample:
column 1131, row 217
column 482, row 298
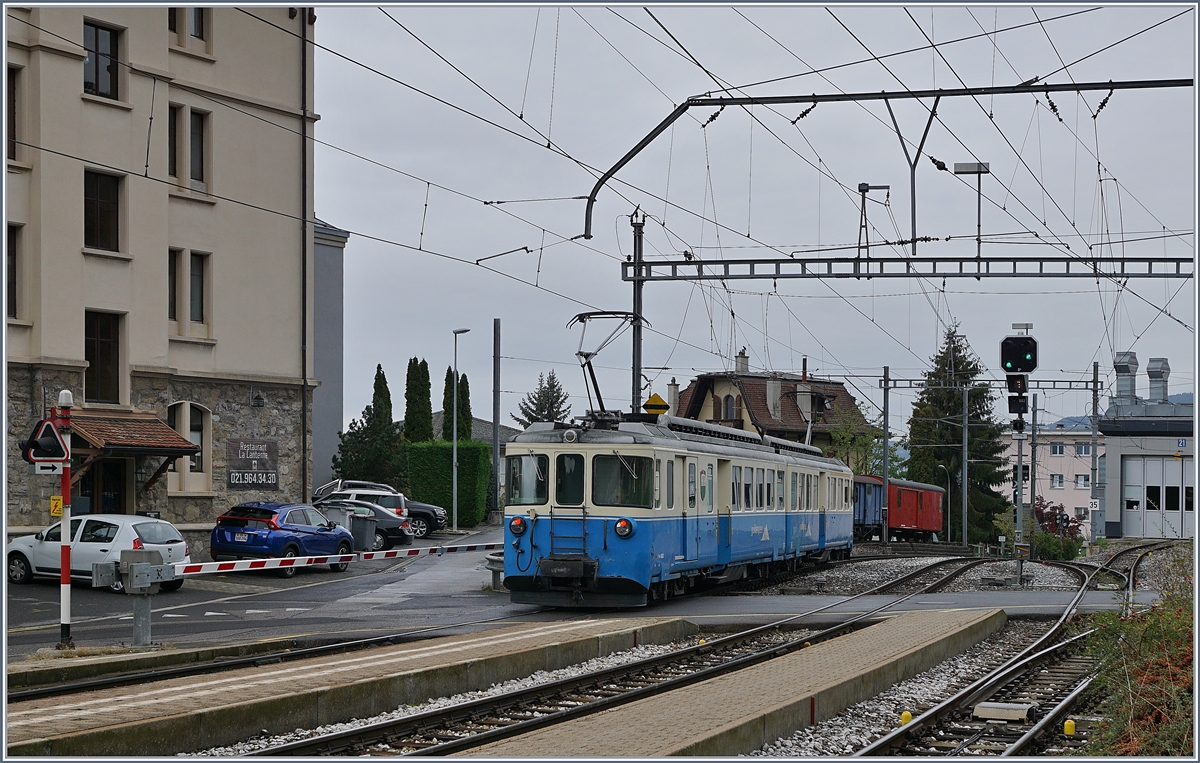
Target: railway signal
column 1018, row 354
column 45, row 444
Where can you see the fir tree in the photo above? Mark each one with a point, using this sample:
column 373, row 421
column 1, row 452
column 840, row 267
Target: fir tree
column 465, row 419
column 448, row 405
column 935, row 439
column 418, row 412
column 371, row 450
column 547, row 402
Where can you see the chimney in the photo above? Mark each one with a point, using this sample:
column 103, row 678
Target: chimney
column 1158, row 370
column 741, row 362
column 774, row 388
column 1126, row 366
column 804, row 368
column 673, row 398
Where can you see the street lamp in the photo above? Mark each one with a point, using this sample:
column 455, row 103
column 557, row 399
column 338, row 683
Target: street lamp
column 946, row 508
column 978, row 169
column 454, row 446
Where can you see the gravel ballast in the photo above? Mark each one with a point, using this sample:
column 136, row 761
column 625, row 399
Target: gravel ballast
column 859, row 725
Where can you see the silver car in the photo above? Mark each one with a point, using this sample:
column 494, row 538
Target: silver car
column 95, row 538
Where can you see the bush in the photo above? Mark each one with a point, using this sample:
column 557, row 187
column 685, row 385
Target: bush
column 430, row 477
column 1146, row 673
column 1047, row 546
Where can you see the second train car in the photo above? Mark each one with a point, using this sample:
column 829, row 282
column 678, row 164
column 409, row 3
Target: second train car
column 620, row 512
column 915, row 510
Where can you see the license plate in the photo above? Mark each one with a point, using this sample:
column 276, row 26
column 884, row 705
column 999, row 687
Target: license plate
column 241, row 537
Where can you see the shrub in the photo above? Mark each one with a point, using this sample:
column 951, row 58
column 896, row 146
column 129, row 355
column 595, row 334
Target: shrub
column 430, row 477
column 1048, row 546
column 1147, row 672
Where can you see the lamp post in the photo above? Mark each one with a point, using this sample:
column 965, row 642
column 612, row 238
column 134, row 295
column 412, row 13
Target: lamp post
column 978, row 169
column 454, row 446
column 946, row 508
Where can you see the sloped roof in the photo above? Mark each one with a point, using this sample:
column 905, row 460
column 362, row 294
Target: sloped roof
column 133, row 432
column 481, row 429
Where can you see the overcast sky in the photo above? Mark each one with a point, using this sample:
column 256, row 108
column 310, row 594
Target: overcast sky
column 595, row 80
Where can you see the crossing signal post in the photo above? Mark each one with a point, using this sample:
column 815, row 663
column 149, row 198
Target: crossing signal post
column 48, row 451
column 1018, row 357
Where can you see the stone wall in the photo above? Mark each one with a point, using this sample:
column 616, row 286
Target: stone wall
column 232, row 416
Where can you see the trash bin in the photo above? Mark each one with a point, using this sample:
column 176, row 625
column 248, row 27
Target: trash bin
column 362, row 527
column 338, row 515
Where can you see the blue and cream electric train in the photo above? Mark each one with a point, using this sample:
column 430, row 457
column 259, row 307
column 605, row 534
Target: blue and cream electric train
column 621, row 511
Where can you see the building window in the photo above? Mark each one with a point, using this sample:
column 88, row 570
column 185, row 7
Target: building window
column 196, row 142
column 101, row 208
column 1083, row 480
column 102, row 351
column 1081, row 512
column 197, row 23
column 173, row 284
column 100, row 66
column 728, row 412
column 196, row 290
column 10, row 272
column 1056, row 480
column 1056, row 449
column 12, row 112
column 190, row 421
column 173, row 141
column 173, row 19
column 1083, row 449
column 196, row 436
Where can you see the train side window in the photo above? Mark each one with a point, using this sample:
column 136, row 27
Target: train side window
column 568, row 479
column 770, row 488
column 528, row 480
column 747, row 488
column 620, row 480
column 758, row 493
column 779, row 489
column 691, row 486
column 670, row 483
column 793, row 503
column 712, row 474
column 737, row 488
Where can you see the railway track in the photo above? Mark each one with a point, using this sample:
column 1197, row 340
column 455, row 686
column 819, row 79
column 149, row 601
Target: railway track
column 472, row 724
column 1022, row 703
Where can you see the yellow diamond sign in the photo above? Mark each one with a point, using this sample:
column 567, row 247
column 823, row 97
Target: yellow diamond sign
column 656, row 405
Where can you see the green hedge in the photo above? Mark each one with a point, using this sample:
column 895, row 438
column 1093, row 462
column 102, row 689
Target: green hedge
column 430, row 477
column 1047, row 546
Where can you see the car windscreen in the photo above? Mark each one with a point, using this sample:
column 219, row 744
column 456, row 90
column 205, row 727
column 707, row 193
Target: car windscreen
column 157, row 532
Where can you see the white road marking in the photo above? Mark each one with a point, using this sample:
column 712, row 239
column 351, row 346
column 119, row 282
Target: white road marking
column 257, row 611
column 174, row 615
column 214, row 614
column 178, row 696
column 298, row 609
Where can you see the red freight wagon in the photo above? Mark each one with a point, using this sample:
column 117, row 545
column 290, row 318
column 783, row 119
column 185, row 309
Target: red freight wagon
column 914, row 508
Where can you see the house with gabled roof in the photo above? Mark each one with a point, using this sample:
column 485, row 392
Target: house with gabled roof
column 791, row 406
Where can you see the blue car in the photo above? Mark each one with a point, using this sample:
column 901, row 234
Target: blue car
column 264, row 530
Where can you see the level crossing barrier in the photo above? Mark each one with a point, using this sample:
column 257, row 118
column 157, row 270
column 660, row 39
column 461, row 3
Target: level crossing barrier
column 242, row 565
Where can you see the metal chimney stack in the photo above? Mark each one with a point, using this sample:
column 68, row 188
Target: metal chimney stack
column 1158, row 369
column 1126, row 366
column 741, row 362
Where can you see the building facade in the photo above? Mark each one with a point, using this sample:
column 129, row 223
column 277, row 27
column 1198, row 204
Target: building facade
column 1062, row 472
column 1151, row 471
column 157, row 262
column 790, row 406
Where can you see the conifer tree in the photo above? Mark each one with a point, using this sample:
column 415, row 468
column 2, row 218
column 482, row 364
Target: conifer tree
column 465, row 419
column 370, row 449
column 935, row 439
column 448, row 405
column 547, row 402
column 418, row 413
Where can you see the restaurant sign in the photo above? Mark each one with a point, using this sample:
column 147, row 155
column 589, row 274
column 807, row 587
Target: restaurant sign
column 252, row 464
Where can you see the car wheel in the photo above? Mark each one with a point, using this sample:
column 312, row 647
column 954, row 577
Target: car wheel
column 343, row 548
column 119, row 586
column 288, row 572
column 171, row 585
column 19, row 570
column 420, row 526
column 381, row 542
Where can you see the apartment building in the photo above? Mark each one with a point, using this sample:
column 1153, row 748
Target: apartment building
column 157, row 262
column 1063, row 452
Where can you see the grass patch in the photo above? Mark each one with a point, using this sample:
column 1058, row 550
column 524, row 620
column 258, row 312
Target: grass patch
column 92, row 651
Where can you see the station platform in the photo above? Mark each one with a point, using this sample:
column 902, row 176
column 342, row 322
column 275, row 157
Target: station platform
column 739, row 712
column 189, row 714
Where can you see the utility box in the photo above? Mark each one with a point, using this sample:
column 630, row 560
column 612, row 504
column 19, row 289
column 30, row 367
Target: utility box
column 362, row 527
column 142, row 570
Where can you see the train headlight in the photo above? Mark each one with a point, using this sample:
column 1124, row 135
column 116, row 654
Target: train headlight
column 623, row 528
column 518, row 525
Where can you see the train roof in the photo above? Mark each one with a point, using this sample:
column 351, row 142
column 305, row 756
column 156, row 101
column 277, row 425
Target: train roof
column 873, row 480
column 670, row 430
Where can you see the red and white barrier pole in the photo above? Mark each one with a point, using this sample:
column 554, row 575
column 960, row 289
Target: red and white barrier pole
column 63, row 422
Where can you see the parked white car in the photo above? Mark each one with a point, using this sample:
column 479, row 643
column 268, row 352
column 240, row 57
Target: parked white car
column 95, row 538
